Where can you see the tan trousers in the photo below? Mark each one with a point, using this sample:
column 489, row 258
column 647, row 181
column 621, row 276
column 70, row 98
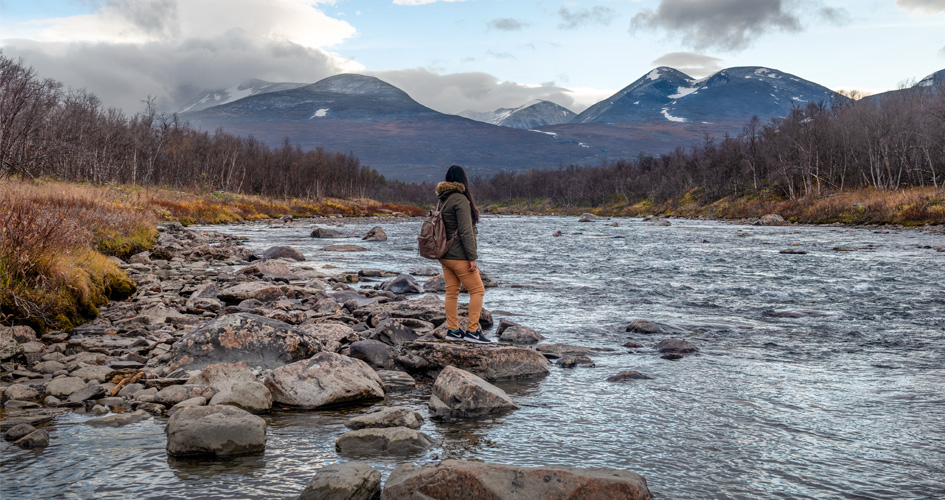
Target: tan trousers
column 456, row 272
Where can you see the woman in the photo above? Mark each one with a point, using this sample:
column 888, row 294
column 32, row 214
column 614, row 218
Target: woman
column 460, row 216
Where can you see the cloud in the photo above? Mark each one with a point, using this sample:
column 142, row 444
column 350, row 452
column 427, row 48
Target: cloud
column 834, row 15
column 500, row 55
column 453, row 93
column 692, row 64
column 124, row 55
column 422, row 2
column 506, row 24
column 928, row 6
column 729, row 24
column 582, row 17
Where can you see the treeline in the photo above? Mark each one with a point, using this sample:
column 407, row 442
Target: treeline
column 46, row 130
column 887, row 143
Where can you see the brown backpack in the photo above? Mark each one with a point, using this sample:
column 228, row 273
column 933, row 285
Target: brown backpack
column 432, row 241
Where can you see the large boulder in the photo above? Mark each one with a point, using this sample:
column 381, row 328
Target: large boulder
column 324, row 232
column 772, row 220
column 9, row 347
column 253, row 339
column 460, row 394
column 214, row 430
column 375, row 234
column 489, row 361
column 461, row 479
column 518, row 334
column 402, row 284
column 383, row 440
column 325, row 379
column 235, row 385
column 373, row 352
column 344, row 481
column 283, row 252
column 391, row 416
column 263, row 292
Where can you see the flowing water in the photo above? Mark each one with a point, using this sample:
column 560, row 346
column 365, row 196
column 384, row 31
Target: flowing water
column 846, row 402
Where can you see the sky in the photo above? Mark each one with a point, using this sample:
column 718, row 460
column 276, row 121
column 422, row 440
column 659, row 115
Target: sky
column 456, row 55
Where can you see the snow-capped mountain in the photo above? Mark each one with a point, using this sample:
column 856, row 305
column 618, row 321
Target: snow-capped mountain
column 932, row 83
column 733, row 94
column 234, row 93
column 527, row 116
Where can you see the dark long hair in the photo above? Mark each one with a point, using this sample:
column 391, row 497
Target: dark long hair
column 457, row 174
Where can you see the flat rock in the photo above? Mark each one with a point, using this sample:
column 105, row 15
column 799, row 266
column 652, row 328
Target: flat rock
column 175, row 394
column 64, row 386
column 99, row 374
column 235, row 385
column 324, row 232
column 269, row 269
column 575, row 360
column 390, row 416
column 255, row 340
column 91, row 391
column 20, row 392
column 344, row 248
column 489, row 361
column 554, row 351
column 375, row 353
column 215, row 430
column 645, row 326
column 119, row 419
column 325, row 379
column 460, row 394
column 398, row 331
column 396, row 380
column 628, row 375
column 793, row 251
column 383, row 441
column 18, row 431
column 344, row 481
column 428, row 308
column 455, row 479
column 48, row 367
column 262, row 292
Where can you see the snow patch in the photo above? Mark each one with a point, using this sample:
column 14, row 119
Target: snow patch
column 637, row 102
column 552, row 134
column 798, row 99
column 654, row 75
column 236, row 93
column 321, row 113
column 683, row 92
column 671, row 117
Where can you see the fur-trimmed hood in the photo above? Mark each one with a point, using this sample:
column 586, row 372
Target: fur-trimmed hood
column 444, row 188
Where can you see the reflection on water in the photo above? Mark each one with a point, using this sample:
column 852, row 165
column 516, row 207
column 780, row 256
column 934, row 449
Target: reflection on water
column 843, row 402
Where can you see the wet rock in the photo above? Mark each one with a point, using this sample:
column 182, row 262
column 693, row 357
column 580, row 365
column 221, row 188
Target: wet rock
column 556, row 233
column 633, row 345
column 398, row 331
column 18, row 431
column 64, row 386
column 175, row 394
column 491, row 362
column 628, row 375
column 344, row 481
column 518, row 334
column 376, row 273
column 772, row 220
column 939, row 248
column 235, row 385
column 396, row 380
column 460, row 394
column 20, row 392
column 255, row 340
column 262, row 292
column 119, row 419
column 91, row 391
column 391, row 416
column 324, row 232
column 487, row 281
column 325, row 379
column 37, row 439
column 384, row 440
column 793, row 314
column 344, row 248
column 375, row 234
column 215, row 430
column 425, row 271
column 375, row 353
column 283, row 252
column 644, row 326
column 672, row 356
column 675, row 346
column 462, row 479
column 844, row 249
column 793, row 251
column 660, row 223
column 435, row 284
column 588, row 217
column 571, row 361
column 403, row 284
column 554, row 351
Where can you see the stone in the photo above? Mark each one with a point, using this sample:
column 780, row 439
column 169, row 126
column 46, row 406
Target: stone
column 425, row 271
column 99, row 374
column 20, row 392
column 375, row 353
column 36, row 439
column 518, row 334
column 556, row 233
column 22, row 333
column 428, row 308
column 64, row 386
column 9, row 347
column 660, row 223
column 175, row 394
column 376, row 273
column 255, row 340
column 344, row 481
column 435, row 284
column 269, row 269
column 675, row 346
column 235, row 385
column 772, row 220
column 324, row 232
column 375, row 234
column 391, row 416
column 48, row 367
column 93, row 390
column 396, row 380
column 844, row 249
column 283, row 252
column 187, row 403
column 344, row 248
column 455, row 479
column 628, row 375
column 99, row 410
column 119, row 419
column 130, row 390
column 323, row 380
column 554, row 351
column 52, row 401
column 18, row 431
column 331, row 331
column 155, row 409
column 403, row 284
column 215, row 430
column 21, row 404
column 143, row 258
column 587, row 217
column 398, row 331
column 460, row 394
column 262, row 292
column 383, row 440
column 489, row 361
column 571, row 361
column 633, row 345
column 793, row 251
column 644, row 326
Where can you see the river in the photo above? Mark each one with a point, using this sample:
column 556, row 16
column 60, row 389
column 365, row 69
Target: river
column 847, row 401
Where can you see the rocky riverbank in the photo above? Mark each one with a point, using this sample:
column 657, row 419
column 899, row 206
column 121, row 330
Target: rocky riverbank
column 216, row 337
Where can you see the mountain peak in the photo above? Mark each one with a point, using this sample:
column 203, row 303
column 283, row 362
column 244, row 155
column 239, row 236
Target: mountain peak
column 354, row 84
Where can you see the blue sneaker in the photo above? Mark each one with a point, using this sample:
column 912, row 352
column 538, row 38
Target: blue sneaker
column 454, row 335
column 476, row 337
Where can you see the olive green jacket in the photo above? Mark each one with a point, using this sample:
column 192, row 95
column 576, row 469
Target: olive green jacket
column 457, row 216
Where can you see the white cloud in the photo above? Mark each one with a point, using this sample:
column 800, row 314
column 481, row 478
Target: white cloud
column 928, row 6
column 422, row 2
